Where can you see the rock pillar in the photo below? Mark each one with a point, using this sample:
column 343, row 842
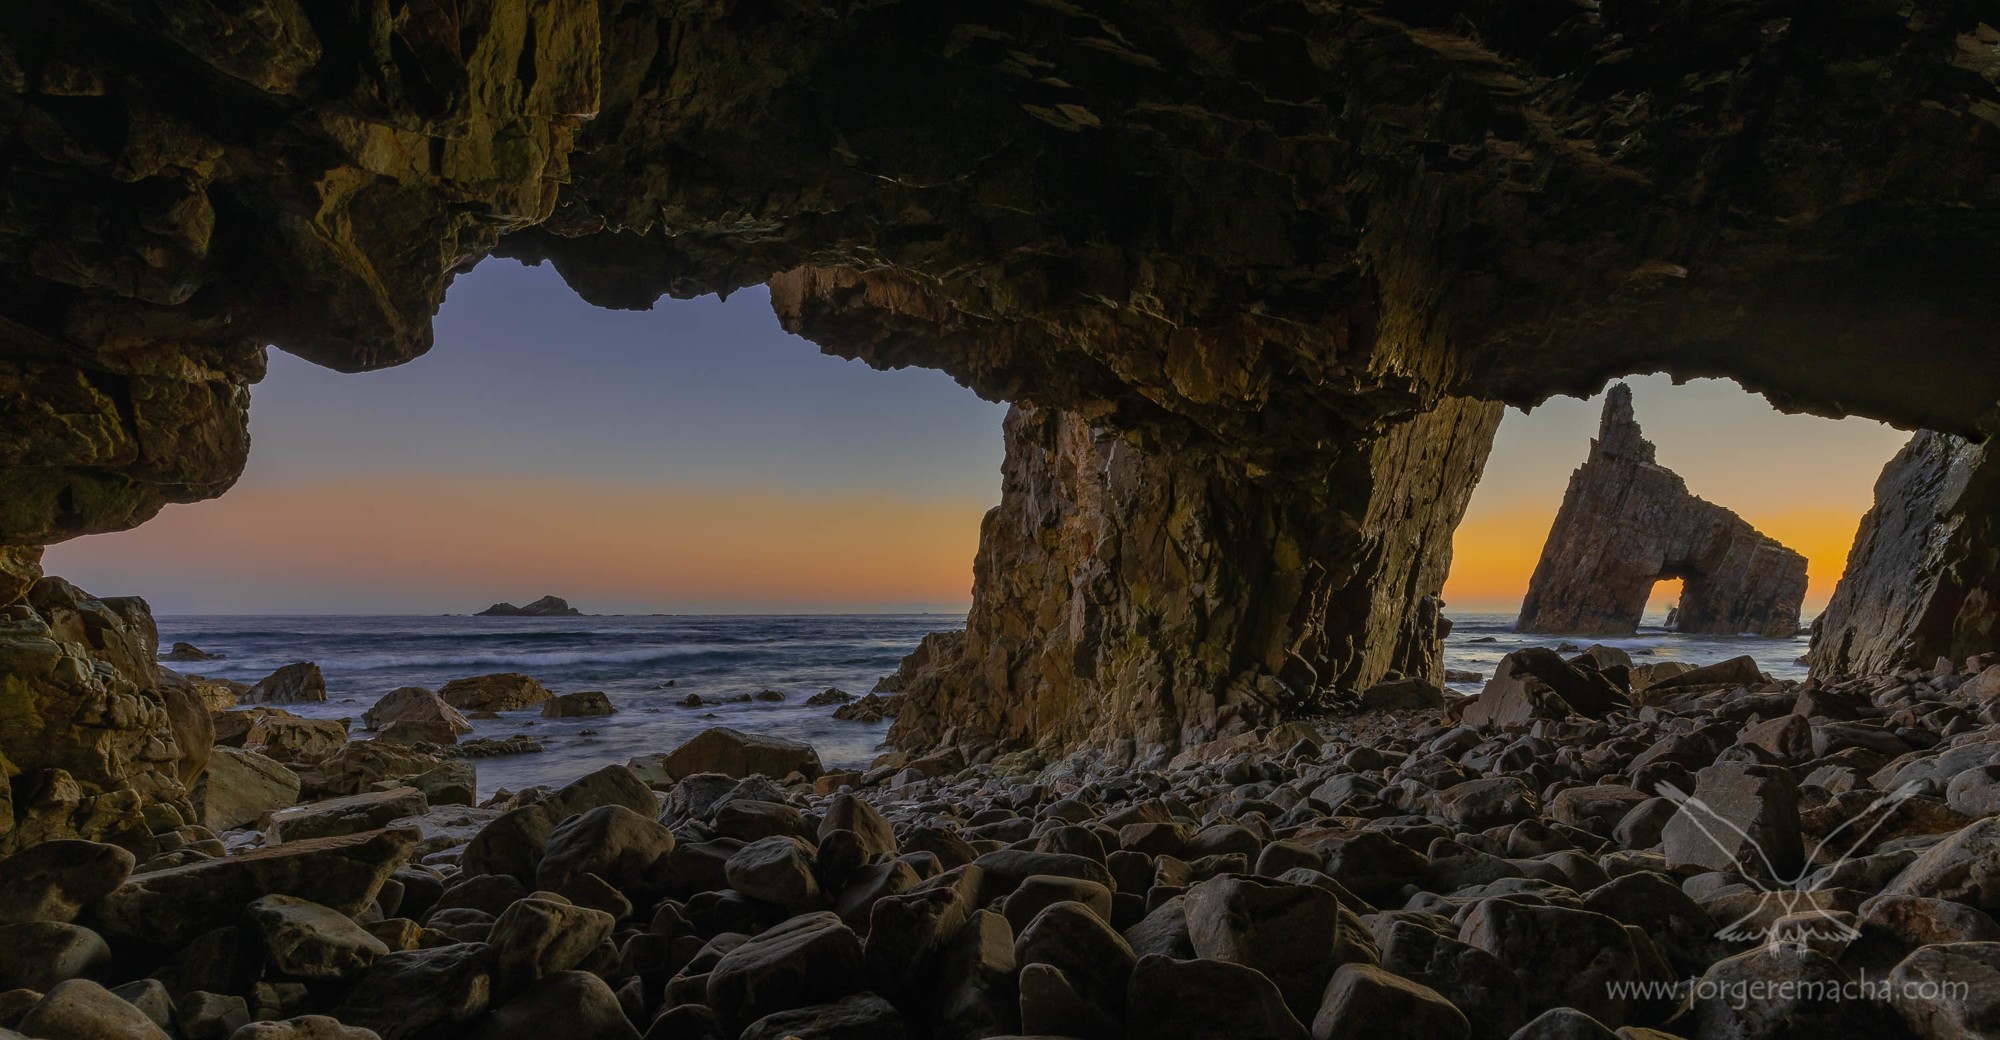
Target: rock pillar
column 1162, row 597
column 1627, row 522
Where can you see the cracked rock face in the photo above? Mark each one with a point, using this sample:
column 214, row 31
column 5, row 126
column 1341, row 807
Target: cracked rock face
column 1154, row 597
column 1626, row 522
column 88, row 733
column 1923, row 573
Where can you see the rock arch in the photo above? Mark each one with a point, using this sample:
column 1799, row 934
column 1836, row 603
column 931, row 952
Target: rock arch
column 1627, row 522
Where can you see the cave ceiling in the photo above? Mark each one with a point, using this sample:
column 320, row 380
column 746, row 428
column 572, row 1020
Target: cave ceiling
column 1261, row 230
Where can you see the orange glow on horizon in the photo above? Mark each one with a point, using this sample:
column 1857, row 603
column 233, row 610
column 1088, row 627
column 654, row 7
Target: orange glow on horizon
column 485, row 539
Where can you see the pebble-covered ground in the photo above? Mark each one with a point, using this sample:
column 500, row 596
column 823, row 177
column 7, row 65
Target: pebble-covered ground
column 1588, row 849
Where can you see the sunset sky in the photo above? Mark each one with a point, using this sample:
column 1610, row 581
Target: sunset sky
column 697, row 459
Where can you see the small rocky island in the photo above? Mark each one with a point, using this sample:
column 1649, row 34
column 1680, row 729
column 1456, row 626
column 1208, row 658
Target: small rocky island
column 547, row 606
column 1628, row 522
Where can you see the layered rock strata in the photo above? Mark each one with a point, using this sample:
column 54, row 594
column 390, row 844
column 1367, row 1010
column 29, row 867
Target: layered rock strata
column 1153, row 598
column 1627, row 522
column 1923, row 578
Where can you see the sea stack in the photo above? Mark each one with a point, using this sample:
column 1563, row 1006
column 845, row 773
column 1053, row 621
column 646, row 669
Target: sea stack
column 547, row 606
column 1628, row 522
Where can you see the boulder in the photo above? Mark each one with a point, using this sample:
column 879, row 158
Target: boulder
column 148, row 995
column 777, row 869
column 184, row 651
column 1365, row 1000
column 240, row 787
column 1075, row 973
column 1742, row 817
column 413, row 704
column 453, row 782
column 1964, row 867
column 1400, row 694
column 871, row 708
column 296, row 683
column 1778, row 991
column 577, row 705
column 611, row 841
column 1741, row 670
column 173, row 905
column 83, row 1010
column 1201, row 999
column 1536, row 683
column 738, row 754
column 1290, row 933
column 284, row 737
column 214, row 694
column 499, row 691
column 40, row 954
column 1561, row 956
column 446, row 826
column 418, row 993
column 515, row 843
column 86, row 738
column 193, row 730
column 304, row 1027
column 975, row 990
column 346, row 815
column 211, row 1016
column 360, row 765
column 1949, row 990
column 306, row 940
column 810, row 959
column 1476, row 982
column 1476, row 805
column 586, row 1008
column 863, row 1016
column 869, row 827
column 55, row 880
column 534, row 938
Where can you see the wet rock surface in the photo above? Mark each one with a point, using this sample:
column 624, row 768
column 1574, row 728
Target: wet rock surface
column 1626, row 522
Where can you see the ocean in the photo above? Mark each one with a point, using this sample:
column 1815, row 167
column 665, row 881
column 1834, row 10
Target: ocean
column 632, row 658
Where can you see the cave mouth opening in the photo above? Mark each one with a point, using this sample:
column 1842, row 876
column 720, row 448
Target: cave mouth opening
column 694, row 458
column 1804, row 480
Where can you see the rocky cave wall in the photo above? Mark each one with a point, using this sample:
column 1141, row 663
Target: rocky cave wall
column 1922, row 580
column 1256, row 239
column 1138, row 598
column 1626, row 522
column 95, row 741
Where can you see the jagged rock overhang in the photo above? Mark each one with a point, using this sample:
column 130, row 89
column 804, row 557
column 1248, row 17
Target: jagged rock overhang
column 1270, row 227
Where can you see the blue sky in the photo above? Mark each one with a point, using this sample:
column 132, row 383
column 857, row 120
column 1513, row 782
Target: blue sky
column 696, row 458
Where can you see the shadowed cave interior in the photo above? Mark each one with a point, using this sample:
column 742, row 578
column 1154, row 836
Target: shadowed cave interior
column 1258, row 281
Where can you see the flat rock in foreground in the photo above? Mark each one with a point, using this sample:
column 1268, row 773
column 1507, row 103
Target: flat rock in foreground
column 173, row 905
